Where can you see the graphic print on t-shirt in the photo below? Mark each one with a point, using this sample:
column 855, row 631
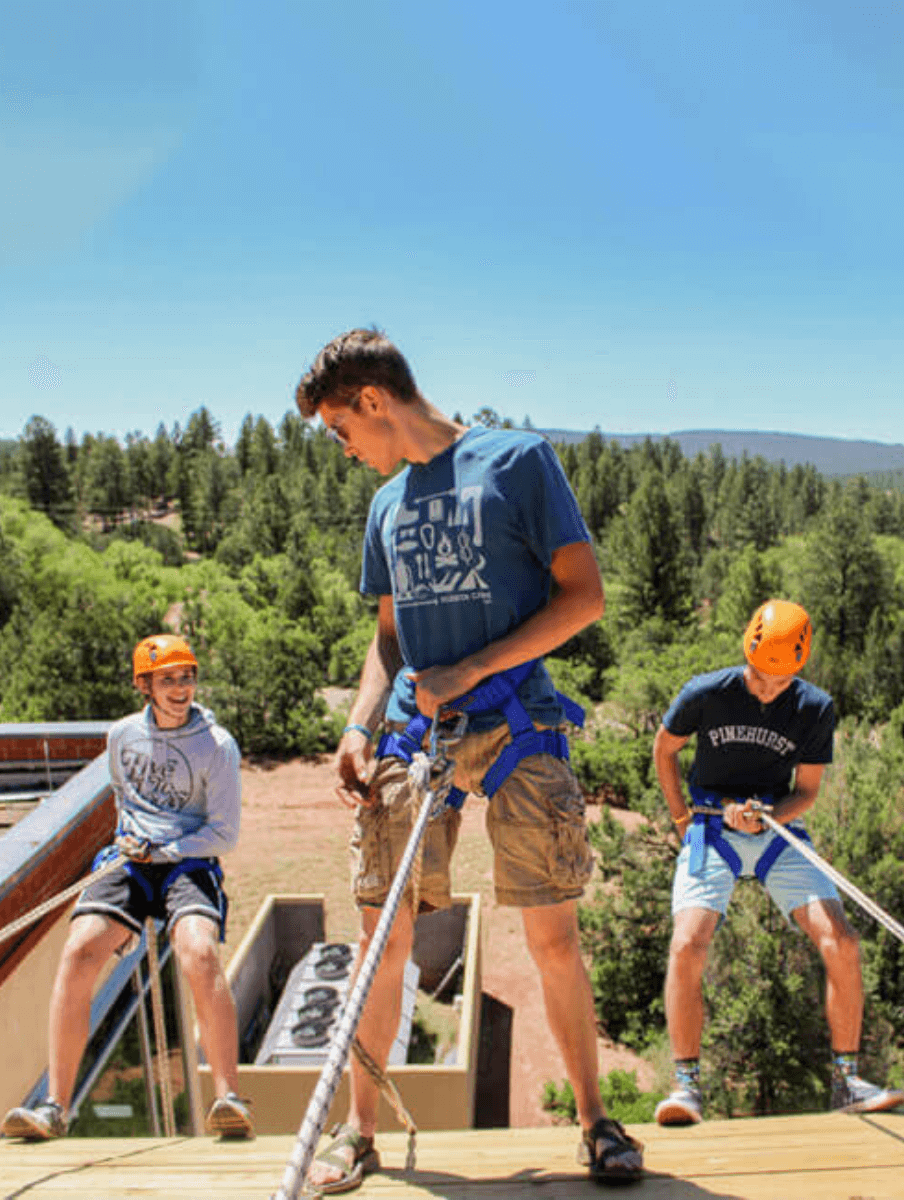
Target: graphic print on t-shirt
column 437, row 549
column 158, row 771
column 751, row 735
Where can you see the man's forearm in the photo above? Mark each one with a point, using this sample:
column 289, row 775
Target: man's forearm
column 792, row 806
column 668, row 772
column 807, row 781
column 670, row 782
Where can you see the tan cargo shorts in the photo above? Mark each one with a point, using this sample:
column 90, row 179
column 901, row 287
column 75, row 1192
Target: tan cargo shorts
column 535, row 821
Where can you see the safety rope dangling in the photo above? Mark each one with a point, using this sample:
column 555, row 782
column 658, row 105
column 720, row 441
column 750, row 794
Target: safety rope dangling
column 159, row 1015
column 419, row 772
column 47, row 906
column 869, row 906
column 340, row 1045
column 393, row 1097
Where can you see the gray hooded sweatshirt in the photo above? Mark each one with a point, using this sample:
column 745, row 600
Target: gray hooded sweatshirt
column 179, row 789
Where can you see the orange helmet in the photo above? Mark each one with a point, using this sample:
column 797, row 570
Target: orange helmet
column 161, row 650
column 777, row 640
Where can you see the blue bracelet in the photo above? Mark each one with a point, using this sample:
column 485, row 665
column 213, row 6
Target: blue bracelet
column 358, row 729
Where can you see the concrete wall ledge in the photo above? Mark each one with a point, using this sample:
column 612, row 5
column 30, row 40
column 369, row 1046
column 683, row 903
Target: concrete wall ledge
column 438, row 1096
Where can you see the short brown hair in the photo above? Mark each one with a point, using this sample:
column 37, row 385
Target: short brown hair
column 349, row 363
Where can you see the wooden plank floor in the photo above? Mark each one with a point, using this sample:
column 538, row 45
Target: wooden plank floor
column 825, row 1157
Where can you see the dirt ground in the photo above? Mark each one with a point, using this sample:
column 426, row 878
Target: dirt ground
column 294, row 839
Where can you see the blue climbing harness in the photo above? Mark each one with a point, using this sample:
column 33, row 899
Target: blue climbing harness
column 183, row 867
column 706, row 830
column 498, row 693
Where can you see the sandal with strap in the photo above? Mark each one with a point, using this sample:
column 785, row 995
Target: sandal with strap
column 612, row 1155
column 365, row 1160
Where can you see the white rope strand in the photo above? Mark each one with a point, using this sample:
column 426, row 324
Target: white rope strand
column 869, row 906
column 48, row 906
column 319, row 1104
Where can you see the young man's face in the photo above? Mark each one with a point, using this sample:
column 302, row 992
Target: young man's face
column 171, row 691
column 766, row 688
column 363, row 431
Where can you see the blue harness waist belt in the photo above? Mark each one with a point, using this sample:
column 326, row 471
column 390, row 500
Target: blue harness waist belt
column 706, row 830
column 184, row 866
column 498, row 693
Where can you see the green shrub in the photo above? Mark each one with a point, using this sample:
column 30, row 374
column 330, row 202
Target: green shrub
column 619, row 1091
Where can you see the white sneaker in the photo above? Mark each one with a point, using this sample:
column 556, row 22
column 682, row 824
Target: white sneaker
column 683, row 1107
column 39, row 1124
column 852, row 1094
column 230, row 1117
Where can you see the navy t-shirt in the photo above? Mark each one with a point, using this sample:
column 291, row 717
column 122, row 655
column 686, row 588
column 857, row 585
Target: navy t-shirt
column 464, row 544
column 745, row 747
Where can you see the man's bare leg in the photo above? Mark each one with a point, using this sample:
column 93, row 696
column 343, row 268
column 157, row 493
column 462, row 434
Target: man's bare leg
column 377, row 1028
column 92, row 939
column 825, row 924
column 554, row 944
column 691, row 935
column 195, row 940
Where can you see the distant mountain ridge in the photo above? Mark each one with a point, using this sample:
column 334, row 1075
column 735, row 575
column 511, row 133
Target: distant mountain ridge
column 830, row 456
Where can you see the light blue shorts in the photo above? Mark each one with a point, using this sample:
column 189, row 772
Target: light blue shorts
column 791, row 881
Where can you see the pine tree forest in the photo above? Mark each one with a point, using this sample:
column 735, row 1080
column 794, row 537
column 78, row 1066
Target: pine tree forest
column 253, row 551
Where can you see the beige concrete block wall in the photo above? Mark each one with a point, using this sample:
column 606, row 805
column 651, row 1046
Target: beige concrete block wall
column 24, row 1008
column 438, row 1097
column 24, row 1002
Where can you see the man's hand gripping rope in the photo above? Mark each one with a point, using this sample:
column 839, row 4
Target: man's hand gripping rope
column 743, row 817
column 431, row 776
column 136, row 849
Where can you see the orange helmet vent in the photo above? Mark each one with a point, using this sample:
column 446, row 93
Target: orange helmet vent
column 162, row 650
column 777, row 640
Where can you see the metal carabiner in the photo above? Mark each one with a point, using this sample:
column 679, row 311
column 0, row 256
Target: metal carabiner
column 434, row 770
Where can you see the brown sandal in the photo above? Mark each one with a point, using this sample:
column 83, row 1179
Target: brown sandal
column 365, row 1161
column 612, row 1155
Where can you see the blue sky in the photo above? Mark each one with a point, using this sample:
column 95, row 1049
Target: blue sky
column 646, row 217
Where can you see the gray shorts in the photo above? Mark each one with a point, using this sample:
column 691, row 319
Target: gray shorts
column 792, row 881
column 535, row 821
column 133, row 892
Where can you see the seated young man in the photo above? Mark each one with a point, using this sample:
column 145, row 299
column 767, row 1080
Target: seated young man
column 175, row 774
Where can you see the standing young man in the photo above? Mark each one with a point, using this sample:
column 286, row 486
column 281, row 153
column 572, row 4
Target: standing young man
column 175, row 774
column 482, row 564
column 762, row 732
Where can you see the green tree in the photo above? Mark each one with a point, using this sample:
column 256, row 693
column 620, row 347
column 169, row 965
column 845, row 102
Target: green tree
column 10, row 578
column 688, row 502
column 108, row 486
column 745, row 511
column 44, row 472
column 140, row 469
column 163, row 453
column 652, row 566
column 264, row 448
column 260, row 675
column 765, row 1039
column 625, row 931
column 845, row 581
column 487, row 417
column 750, row 580
column 201, row 433
column 213, row 501
column 71, row 451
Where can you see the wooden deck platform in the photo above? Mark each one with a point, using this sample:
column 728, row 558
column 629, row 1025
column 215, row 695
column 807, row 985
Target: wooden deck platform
column 825, row 1157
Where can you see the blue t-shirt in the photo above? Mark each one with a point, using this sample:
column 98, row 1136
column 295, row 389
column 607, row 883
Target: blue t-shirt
column 745, row 747
column 464, row 544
